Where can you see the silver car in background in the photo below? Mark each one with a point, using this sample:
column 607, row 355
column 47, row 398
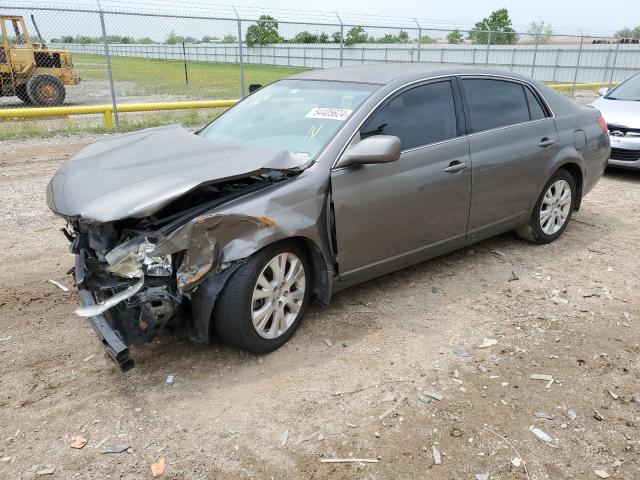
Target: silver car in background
column 620, row 108
column 310, row 185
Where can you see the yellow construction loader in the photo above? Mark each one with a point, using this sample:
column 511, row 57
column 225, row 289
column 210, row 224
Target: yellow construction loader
column 35, row 74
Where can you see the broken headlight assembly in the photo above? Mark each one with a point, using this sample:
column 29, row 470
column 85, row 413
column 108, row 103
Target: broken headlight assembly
column 135, row 259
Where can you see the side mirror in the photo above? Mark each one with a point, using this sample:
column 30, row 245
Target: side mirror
column 603, row 91
column 253, row 87
column 375, row 149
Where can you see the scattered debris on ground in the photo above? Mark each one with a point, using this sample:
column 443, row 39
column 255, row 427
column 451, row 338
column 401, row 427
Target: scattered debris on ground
column 451, row 356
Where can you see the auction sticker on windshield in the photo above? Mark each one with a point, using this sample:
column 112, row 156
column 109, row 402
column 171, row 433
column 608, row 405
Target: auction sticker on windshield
column 340, row 114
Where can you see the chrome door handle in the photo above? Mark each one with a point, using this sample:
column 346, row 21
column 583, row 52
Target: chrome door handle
column 456, row 166
column 545, row 142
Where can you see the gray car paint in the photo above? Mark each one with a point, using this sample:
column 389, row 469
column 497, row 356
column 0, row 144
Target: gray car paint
column 135, row 174
column 410, row 210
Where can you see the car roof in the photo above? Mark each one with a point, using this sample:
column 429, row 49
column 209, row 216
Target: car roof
column 386, row 73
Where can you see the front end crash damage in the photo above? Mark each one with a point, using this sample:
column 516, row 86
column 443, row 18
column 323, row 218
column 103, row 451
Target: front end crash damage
column 136, row 277
column 153, row 237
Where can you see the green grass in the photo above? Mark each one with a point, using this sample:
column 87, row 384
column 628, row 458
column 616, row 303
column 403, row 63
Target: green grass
column 141, row 77
column 17, row 130
column 166, row 77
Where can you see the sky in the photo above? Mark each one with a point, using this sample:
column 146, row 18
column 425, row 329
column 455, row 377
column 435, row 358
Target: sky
column 567, row 16
column 591, row 17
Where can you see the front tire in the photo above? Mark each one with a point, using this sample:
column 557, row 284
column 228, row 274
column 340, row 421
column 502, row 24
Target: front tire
column 45, row 90
column 553, row 209
column 263, row 302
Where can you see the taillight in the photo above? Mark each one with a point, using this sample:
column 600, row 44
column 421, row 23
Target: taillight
column 603, row 125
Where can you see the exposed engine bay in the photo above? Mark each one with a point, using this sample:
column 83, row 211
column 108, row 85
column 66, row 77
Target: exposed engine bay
column 160, row 219
column 136, row 289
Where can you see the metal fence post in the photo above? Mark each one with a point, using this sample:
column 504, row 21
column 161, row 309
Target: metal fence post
column 575, row 76
column 184, row 58
column 555, row 64
column 240, row 60
column 419, row 38
column 109, row 71
column 535, row 55
column 615, row 61
column 341, row 39
column 606, row 65
column 486, row 61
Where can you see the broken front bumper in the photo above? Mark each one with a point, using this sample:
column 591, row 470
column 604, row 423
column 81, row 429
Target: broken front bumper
column 111, row 340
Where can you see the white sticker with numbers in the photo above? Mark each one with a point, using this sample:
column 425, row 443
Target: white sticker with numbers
column 323, row 113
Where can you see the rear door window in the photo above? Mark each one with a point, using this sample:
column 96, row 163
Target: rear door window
column 535, row 109
column 495, row 103
column 418, row 116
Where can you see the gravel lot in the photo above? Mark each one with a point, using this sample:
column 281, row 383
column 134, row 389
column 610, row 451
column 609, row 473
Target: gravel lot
column 354, row 382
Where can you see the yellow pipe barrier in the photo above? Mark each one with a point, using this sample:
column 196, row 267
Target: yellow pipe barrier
column 581, row 86
column 107, row 110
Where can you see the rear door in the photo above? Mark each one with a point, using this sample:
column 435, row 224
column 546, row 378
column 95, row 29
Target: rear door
column 388, row 215
column 512, row 142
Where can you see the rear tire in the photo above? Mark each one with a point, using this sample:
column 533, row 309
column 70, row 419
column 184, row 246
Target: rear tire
column 21, row 93
column 263, row 302
column 45, row 90
column 553, row 209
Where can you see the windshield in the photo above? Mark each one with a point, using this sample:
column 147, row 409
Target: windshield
column 628, row 90
column 299, row 116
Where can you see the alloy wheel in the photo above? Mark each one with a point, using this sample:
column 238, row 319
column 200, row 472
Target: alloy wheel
column 278, row 295
column 555, row 207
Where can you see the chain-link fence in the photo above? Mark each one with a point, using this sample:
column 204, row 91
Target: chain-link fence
column 124, row 56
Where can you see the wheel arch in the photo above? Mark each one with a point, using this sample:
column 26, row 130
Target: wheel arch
column 570, row 159
column 578, row 177
column 204, row 297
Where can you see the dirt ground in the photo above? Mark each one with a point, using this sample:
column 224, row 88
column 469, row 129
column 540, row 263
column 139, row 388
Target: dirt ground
column 354, row 382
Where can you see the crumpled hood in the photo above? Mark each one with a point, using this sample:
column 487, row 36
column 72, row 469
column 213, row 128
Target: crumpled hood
column 621, row 113
column 136, row 174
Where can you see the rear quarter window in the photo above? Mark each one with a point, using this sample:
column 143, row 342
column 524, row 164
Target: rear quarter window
column 535, row 108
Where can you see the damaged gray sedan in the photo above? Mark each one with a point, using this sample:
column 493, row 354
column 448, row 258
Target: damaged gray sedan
column 310, row 185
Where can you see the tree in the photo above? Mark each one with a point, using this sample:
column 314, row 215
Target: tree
column 265, row 32
column 543, row 31
column 628, row 32
column 356, row 35
column 455, row 37
column 230, row 39
column 425, row 39
column 402, row 37
column 304, row 37
column 335, row 37
column 500, row 25
column 172, row 38
column 388, row 38
column 323, row 38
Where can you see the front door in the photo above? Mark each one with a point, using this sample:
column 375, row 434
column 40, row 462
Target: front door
column 391, row 215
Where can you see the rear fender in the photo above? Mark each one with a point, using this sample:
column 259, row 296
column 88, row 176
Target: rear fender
column 568, row 157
